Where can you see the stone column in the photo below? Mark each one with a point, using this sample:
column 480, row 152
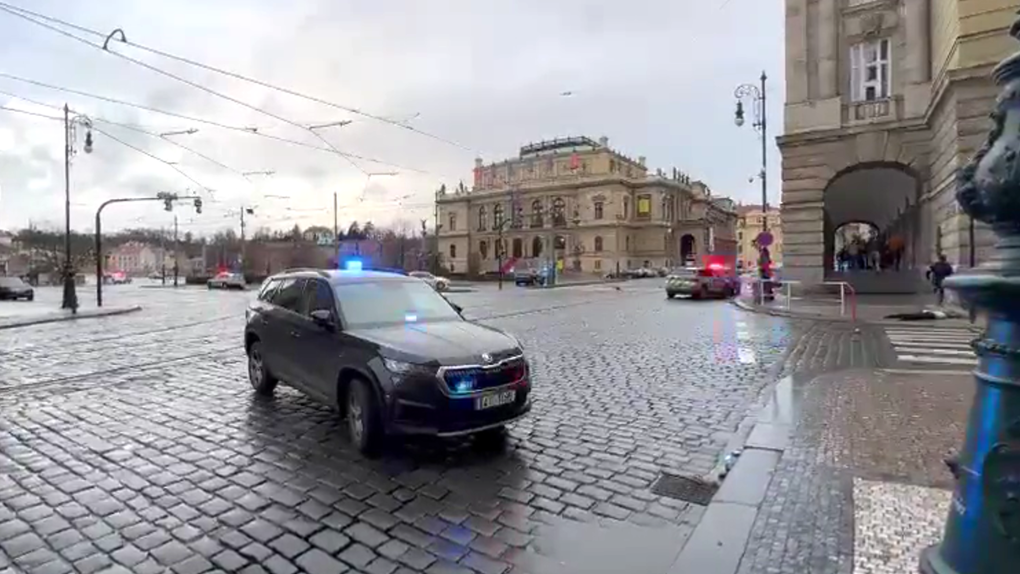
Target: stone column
column 828, row 44
column 918, row 43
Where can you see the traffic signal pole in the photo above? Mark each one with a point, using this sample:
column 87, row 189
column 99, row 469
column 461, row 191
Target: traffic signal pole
column 167, row 198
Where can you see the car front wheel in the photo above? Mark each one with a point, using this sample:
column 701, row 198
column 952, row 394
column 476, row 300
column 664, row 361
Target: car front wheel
column 491, row 439
column 262, row 381
column 363, row 418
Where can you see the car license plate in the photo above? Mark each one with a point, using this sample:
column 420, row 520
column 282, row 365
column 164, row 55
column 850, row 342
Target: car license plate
column 493, row 400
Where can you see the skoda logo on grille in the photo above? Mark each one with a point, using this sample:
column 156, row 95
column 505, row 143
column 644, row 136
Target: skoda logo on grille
column 486, row 358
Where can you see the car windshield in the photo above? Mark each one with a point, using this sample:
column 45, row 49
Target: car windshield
column 420, row 274
column 383, row 303
column 11, row 282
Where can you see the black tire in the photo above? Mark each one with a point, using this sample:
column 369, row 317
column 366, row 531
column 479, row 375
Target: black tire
column 670, row 295
column 363, row 418
column 262, row 381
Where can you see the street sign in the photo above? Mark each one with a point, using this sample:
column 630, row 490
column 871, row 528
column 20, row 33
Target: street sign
column 764, row 239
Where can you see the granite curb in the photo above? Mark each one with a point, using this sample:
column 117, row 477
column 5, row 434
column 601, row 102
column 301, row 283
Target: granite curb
column 28, row 321
column 751, row 308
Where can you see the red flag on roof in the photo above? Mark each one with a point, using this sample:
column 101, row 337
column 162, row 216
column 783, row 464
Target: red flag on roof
column 575, row 161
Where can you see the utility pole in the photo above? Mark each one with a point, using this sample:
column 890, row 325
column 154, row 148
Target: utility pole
column 250, row 211
column 435, row 257
column 176, row 251
column 336, row 228
column 162, row 255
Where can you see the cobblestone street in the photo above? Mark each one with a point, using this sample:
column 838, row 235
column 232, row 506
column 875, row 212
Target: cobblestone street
column 134, row 443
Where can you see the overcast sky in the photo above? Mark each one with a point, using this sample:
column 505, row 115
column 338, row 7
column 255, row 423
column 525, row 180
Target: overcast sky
column 655, row 76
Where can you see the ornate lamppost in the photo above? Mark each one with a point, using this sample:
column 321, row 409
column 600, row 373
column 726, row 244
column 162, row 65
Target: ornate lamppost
column 70, row 298
column 982, row 532
column 756, row 95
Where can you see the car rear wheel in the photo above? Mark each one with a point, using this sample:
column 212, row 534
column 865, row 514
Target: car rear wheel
column 363, row 418
column 262, row 381
column 670, row 295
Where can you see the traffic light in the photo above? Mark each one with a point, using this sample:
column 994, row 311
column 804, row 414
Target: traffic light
column 198, row 205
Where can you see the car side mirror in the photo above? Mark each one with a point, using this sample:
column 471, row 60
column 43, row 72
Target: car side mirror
column 323, row 318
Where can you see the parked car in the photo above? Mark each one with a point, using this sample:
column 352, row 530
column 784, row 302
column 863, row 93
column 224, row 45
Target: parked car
column 117, row 278
column 14, row 288
column 227, row 280
column 392, row 354
column 437, row 283
column 527, row 277
column 702, row 282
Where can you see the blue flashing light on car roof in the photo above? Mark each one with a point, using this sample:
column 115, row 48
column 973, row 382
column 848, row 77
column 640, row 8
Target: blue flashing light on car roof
column 353, row 265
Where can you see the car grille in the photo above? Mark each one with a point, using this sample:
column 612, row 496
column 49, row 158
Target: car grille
column 481, row 378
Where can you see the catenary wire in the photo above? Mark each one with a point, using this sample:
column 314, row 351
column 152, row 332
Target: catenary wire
column 188, row 82
column 246, row 130
column 12, row 9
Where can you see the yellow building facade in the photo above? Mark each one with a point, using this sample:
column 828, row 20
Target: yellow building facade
column 750, row 223
column 589, row 207
column 885, row 101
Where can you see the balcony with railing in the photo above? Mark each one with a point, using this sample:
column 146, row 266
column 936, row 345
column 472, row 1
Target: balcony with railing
column 873, row 111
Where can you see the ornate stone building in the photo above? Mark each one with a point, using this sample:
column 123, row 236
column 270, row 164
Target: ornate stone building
column 885, row 101
column 578, row 200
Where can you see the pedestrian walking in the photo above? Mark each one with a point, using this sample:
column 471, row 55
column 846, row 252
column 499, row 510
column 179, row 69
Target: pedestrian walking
column 896, row 250
column 937, row 273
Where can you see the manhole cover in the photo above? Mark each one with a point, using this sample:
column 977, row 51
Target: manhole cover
column 693, row 490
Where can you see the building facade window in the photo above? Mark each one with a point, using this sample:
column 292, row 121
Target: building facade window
column 599, row 208
column 453, row 222
column 559, row 216
column 536, row 247
column 453, row 251
column 627, row 244
column 626, row 208
column 870, row 70
column 483, row 249
column 518, row 249
column 598, row 265
column 598, row 243
column 644, row 206
column 536, row 213
column 497, row 216
column 481, row 218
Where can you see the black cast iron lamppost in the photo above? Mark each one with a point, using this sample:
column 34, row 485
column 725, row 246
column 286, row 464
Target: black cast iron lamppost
column 756, row 95
column 70, row 299
column 982, row 533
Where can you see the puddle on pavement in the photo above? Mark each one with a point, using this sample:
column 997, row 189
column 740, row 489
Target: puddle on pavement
column 568, row 547
column 784, row 403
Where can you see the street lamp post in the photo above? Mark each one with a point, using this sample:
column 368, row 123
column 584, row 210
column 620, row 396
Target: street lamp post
column 982, row 532
column 70, row 299
column 756, row 95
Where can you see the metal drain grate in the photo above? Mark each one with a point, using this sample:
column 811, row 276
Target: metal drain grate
column 689, row 489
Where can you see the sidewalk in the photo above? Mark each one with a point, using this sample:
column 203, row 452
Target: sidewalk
column 40, row 315
column 869, row 308
column 842, row 474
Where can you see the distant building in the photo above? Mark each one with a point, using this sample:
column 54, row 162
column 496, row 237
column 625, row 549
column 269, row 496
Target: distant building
column 749, row 227
column 133, row 258
column 588, row 206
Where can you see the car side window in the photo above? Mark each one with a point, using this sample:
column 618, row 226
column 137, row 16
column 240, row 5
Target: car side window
column 318, row 297
column 289, row 294
column 266, row 293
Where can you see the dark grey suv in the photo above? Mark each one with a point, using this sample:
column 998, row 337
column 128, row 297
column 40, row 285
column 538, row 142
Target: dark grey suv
column 389, row 352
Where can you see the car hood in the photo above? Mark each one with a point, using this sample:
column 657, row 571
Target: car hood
column 448, row 342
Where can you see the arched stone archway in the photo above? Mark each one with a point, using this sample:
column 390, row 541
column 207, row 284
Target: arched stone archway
column 884, row 196
column 829, row 181
column 688, row 248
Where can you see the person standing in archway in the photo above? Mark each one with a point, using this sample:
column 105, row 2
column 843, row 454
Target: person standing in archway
column 853, row 253
column 896, row 246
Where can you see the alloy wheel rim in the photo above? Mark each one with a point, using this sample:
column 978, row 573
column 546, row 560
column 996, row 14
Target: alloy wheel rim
column 355, row 419
column 255, row 368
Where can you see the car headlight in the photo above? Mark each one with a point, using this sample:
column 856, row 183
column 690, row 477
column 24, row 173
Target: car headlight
column 403, row 368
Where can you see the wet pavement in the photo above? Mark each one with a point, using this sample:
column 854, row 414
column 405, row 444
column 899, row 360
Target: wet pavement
column 133, row 443
column 860, row 486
